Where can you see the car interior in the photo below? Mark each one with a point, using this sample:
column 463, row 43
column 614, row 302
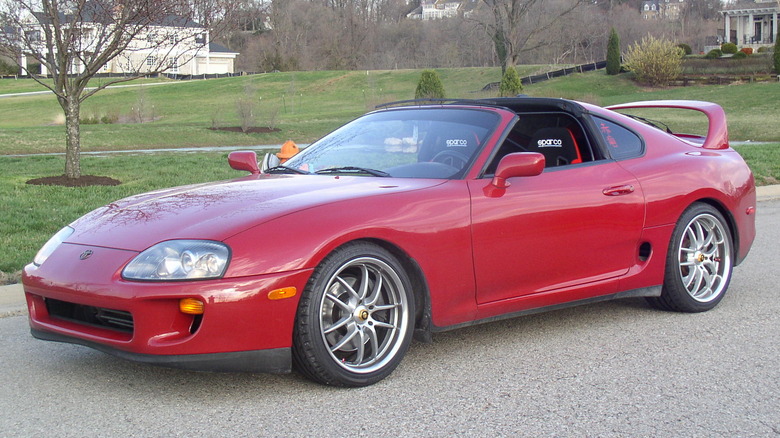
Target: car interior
column 557, row 136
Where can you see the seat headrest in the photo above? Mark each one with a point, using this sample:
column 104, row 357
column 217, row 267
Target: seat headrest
column 555, row 138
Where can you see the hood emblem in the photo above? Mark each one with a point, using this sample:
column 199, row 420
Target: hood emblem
column 85, row 255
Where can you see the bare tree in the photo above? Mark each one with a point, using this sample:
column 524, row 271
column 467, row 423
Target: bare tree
column 73, row 40
column 518, row 26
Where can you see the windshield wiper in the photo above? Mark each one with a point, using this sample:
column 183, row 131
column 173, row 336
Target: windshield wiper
column 285, row 169
column 352, row 169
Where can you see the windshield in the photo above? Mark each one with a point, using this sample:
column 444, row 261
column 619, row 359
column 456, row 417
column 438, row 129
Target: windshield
column 406, row 143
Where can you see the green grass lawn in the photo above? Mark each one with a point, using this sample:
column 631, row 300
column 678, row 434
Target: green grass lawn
column 303, row 105
column 32, row 213
column 22, row 85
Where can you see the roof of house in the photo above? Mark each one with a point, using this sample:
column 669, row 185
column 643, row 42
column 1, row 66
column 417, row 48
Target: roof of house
column 97, row 12
column 217, row 48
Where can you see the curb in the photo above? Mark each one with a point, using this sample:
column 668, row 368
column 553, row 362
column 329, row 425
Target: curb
column 768, row 193
column 13, row 302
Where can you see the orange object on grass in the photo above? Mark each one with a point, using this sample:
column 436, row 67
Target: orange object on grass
column 289, row 148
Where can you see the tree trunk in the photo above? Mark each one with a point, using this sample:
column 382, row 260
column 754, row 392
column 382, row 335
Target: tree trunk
column 73, row 141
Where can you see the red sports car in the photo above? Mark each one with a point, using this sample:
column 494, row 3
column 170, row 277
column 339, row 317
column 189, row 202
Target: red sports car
column 407, row 221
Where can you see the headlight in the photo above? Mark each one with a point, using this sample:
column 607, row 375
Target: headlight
column 51, row 245
column 179, row 260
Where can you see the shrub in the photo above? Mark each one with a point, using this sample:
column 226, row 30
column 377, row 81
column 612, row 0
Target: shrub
column 739, row 55
column 728, row 48
column 763, row 49
column 8, row 69
column 686, row 48
column 713, row 54
column 777, row 55
column 510, row 83
column 746, row 50
column 654, row 61
column 613, row 53
column 34, row 68
column 429, row 86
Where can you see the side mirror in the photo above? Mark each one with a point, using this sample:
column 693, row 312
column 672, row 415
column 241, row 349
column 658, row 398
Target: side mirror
column 244, row 160
column 517, row 164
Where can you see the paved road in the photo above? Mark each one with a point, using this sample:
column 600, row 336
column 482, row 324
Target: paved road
column 612, row 369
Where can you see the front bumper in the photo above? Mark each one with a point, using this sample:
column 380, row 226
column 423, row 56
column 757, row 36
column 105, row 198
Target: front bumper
column 276, row 360
column 241, row 329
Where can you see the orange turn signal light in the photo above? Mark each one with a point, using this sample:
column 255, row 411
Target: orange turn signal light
column 280, row 294
column 191, row 306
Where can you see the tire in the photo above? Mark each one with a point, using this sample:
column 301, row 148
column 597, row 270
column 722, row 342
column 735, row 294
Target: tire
column 355, row 317
column 699, row 262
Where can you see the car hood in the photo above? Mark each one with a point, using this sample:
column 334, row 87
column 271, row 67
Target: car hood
column 217, row 211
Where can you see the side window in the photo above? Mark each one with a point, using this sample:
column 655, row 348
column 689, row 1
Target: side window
column 621, row 142
column 557, row 136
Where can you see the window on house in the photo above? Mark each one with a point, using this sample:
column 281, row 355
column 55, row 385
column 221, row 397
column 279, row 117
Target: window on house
column 150, row 61
column 33, row 35
column 172, row 38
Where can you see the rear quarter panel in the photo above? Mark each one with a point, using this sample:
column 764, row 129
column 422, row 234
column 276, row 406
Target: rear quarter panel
column 675, row 174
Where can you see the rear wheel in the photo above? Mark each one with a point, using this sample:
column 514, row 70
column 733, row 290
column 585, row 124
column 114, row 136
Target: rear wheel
column 354, row 321
column 699, row 261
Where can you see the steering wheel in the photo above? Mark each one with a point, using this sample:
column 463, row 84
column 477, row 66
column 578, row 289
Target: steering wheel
column 451, row 158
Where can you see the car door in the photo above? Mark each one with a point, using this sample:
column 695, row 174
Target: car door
column 571, row 225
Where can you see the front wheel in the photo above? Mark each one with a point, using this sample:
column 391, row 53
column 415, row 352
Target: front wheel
column 699, row 262
column 355, row 317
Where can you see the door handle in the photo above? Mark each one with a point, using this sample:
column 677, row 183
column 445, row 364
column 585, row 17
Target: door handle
column 618, row 190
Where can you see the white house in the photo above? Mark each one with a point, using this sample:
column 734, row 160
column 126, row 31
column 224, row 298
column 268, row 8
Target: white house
column 173, row 42
column 437, row 9
column 751, row 24
column 663, row 9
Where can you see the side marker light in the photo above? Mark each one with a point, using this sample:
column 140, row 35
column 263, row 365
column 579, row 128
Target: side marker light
column 280, row 294
column 191, row 306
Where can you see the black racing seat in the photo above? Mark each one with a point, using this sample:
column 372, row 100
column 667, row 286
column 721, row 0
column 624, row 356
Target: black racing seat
column 557, row 145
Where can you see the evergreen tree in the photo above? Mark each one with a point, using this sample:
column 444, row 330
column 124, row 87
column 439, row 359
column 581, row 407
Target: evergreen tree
column 613, row 53
column 777, row 55
column 430, row 86
column 510, row 83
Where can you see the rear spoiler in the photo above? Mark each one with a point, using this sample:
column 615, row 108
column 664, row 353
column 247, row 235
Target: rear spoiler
column 717, row 132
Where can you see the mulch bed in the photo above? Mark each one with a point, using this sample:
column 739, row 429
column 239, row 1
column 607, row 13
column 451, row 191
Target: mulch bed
column 251, row 130
column 83, row 181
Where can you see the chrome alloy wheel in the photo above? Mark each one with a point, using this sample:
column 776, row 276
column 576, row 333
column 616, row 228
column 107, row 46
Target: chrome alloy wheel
column 705, row 258
column 364, row 315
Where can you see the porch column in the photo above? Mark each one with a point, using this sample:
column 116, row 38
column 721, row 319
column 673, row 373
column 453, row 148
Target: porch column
column 727, row 38
column 774, row 27
column 751, row 29
column 740, row 31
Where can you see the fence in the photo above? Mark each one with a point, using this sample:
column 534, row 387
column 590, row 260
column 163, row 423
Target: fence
column 553, row 74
